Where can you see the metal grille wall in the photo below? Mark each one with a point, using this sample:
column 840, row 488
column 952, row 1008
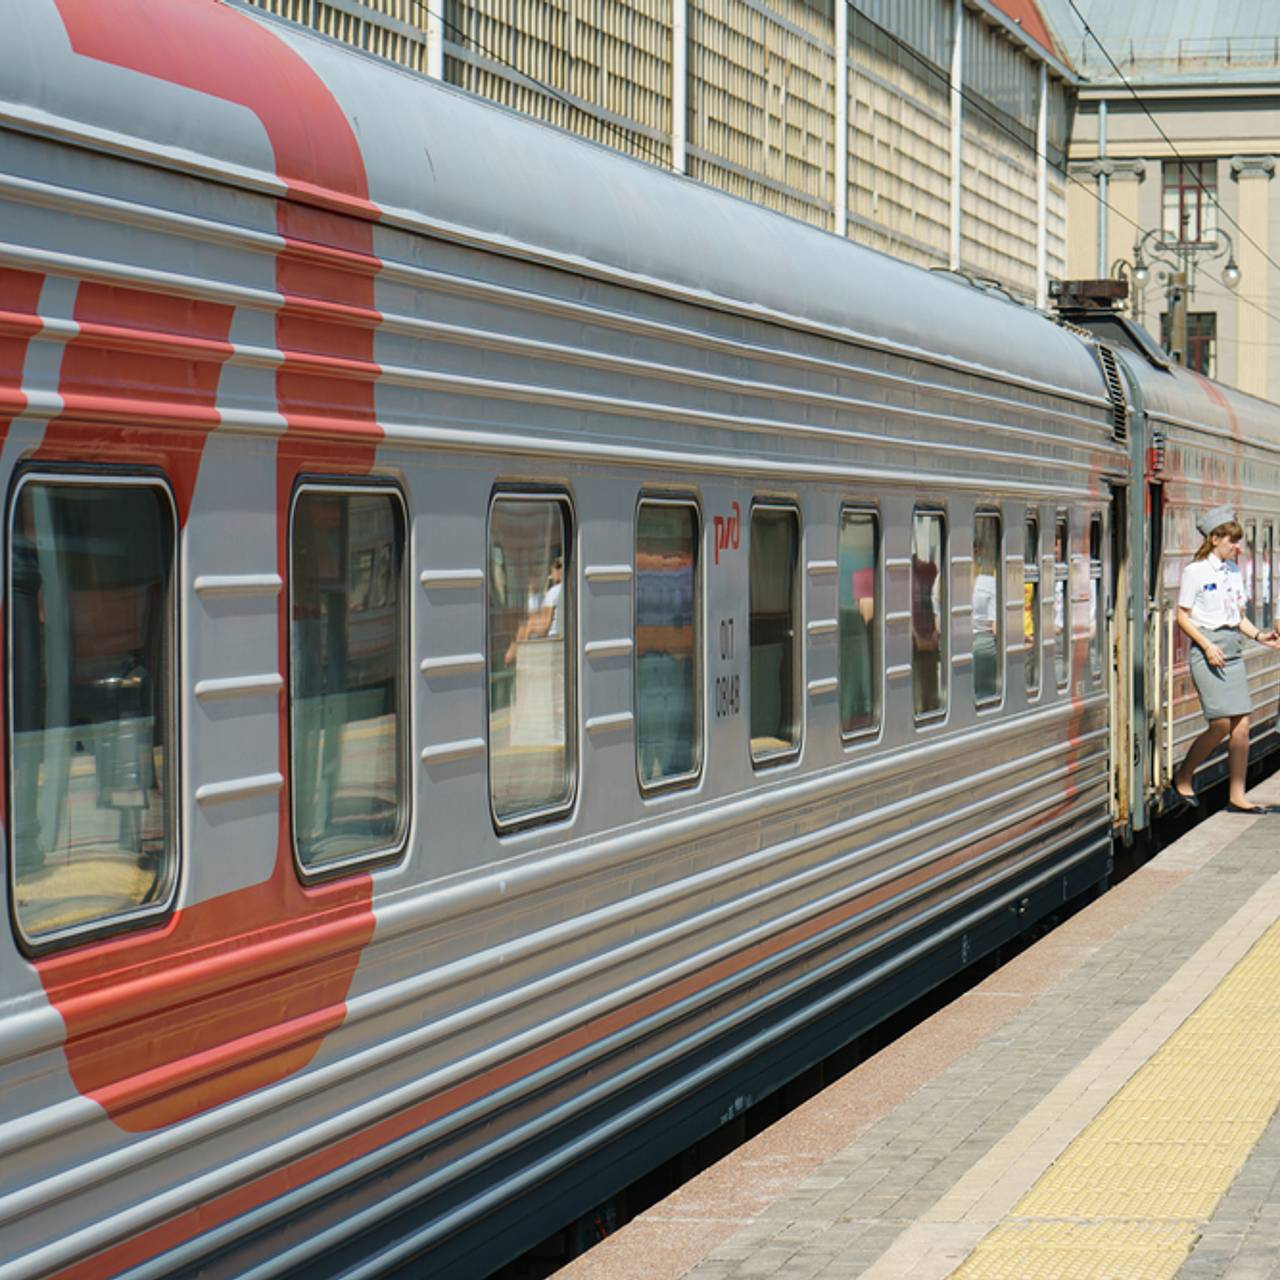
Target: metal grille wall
column 761, row 104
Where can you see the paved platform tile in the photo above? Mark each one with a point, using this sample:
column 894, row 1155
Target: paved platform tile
column 1140, row 1181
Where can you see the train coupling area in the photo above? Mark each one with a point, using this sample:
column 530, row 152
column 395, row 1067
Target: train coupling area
column 1102, row 1107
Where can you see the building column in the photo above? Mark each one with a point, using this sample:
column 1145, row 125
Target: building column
column 1122, row 217
column 680, row 85
column 1253, row 175
column 435, row 39
column 1042, row 192
column 841, row 227
column 1104, row 197
column 957, row 126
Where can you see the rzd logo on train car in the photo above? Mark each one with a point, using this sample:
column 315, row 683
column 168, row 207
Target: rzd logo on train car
column 726, row 532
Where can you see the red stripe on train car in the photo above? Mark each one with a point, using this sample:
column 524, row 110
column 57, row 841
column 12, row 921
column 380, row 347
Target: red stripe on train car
column 272, row 963
column 19, row 323
column 108, row 389
column 221, row 1209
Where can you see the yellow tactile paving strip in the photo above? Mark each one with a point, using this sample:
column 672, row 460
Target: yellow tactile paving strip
column 1128, row 1196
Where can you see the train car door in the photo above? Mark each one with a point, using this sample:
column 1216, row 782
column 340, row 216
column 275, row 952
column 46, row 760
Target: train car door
column 1120, row 662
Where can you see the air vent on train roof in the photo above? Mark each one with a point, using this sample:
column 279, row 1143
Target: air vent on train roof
column 1115, row 393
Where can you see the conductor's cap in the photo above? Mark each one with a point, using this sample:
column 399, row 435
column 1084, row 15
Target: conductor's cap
column 1215, row 519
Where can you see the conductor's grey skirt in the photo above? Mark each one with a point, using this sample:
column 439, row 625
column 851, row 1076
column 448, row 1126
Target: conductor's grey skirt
column 1224, row 691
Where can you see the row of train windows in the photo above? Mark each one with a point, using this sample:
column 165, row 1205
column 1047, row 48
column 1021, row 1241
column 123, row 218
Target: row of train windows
column 92, row 639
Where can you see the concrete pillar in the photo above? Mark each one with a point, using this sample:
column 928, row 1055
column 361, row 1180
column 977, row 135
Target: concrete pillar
column 1253, row 174
column 435, row 39
column 957, row 126
column 679, row 85
column 1042, row 192
column 1103, row 196
column 841, row 227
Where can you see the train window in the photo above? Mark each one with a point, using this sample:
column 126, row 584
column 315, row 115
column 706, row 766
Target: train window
column 531, row 620
column 988, row 612
column 859, row 552
column 1061, row 632
column 928, row 610
column 774, row 634
column 347, row 655
column 1097, row 614
column 1268, row 576
column 91, row 651
column 1248, row 566
column 668, row 644
column 1031, row 604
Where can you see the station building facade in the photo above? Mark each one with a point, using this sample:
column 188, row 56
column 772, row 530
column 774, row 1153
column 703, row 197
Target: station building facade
column 934, row 130
column 1173, row 155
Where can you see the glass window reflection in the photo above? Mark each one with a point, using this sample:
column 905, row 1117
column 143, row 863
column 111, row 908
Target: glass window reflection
column 1061, row 636
column 92, row 644
column 346, row 674
column 530, row 686
column 1031, row 604
column 775, row 665
column 859, row 555
column 668, row 732
column 988, row 614
column 928, row 609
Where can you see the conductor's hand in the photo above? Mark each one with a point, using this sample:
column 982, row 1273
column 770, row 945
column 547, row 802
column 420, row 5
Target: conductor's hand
column 1270, row 638
column 1214, row 656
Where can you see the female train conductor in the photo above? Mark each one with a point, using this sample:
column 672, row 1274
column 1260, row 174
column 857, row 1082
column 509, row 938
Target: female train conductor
column 1211, row 611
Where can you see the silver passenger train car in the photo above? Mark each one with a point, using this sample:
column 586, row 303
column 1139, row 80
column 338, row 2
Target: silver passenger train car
column 509, row 655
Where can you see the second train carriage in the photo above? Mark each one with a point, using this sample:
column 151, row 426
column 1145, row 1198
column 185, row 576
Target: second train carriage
column 510, row 656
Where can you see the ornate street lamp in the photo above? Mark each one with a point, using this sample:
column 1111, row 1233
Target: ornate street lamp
column 1182, row 258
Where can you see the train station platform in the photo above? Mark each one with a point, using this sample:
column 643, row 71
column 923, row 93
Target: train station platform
column 1104, row 1105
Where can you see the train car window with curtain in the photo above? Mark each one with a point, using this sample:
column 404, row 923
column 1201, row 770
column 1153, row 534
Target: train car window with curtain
column 1097, row 612
column 668, row 644
column 91, row 642
column 346, row 674
column 531, row 696
column 987, row 610
column 928, row 613
column 1031, row 604
column 859, row 565
column 774, row 633
column 1061, row 619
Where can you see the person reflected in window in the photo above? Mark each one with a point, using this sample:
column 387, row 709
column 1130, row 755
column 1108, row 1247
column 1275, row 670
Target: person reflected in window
column 985, row 604
column 1211, row 612
column 926, row 638
column 543, row 622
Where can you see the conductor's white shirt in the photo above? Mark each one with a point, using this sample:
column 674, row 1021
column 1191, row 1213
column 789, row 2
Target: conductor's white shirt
column 1213, row 590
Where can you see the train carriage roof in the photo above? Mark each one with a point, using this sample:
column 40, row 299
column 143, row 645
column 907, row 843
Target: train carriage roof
column 1180, row 397
column 436, row 158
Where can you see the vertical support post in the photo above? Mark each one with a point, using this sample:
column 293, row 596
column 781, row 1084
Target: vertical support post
column 1178, row 282
column 435, row 39
column 1042, row 192
column 957, row 126
column 1102, row 189
column 841, row 227
column 680, row 85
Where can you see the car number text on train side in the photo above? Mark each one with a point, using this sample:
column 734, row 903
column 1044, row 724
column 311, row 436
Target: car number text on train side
column 728, row 686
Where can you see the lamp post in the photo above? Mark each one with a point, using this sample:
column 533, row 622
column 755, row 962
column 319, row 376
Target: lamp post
column 1182, row 258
